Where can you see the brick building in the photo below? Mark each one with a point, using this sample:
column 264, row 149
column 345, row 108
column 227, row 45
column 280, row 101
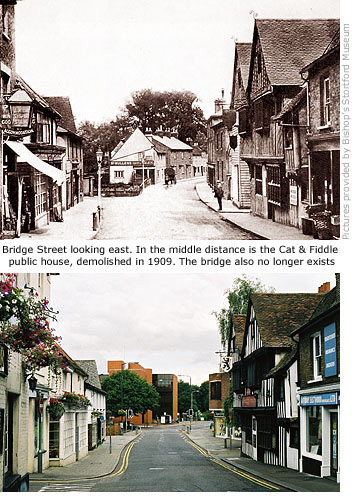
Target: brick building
column 145, row 373
column 319, row 387
column 323, row 135
column 167, row 386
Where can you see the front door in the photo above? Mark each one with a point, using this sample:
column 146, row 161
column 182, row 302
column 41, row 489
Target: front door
column 334, row 433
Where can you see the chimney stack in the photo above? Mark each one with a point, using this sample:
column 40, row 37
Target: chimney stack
column 324, row 288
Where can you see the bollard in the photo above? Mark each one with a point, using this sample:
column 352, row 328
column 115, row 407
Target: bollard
column 94, row 221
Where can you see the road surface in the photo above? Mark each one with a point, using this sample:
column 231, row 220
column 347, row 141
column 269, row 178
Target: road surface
column 165, row 213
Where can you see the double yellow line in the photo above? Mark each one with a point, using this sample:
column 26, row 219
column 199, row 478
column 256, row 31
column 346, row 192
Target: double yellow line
column 242, row 474
column 121, row 470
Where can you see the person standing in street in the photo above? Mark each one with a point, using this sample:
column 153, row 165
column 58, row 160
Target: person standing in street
column 218, row 193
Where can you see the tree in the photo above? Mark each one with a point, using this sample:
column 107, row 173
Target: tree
column 202, row 397
column 105, row 136
column 126, row 390
column 184, row 397
column 237, row 298
column 167, row 110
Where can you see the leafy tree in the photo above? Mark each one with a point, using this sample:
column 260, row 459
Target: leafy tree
column 238, row 298
column 126, row 390
column 184, row 396
column 106, row 136
column 202, row 397
column 167, row 110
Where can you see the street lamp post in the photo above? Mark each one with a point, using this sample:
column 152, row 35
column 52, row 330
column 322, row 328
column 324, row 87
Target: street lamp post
column 99, row 156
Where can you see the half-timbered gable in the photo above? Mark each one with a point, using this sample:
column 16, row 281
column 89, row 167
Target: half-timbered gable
column 264, row 379
column 274, row 80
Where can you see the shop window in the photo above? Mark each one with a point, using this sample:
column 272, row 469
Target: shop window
column 41, row 194
column 54, row 434
column 325, row 101
column 3, row 360
column 259, row 180
column 317, row 356
column 216, row 390
column 266, row 433
column 314, row 430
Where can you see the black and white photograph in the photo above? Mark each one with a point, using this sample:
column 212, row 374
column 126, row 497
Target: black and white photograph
column 164, row 119
column 235, row 388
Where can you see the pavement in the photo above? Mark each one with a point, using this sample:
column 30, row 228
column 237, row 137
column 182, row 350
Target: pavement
column 259, row 227
column 77, row 224
column 99, row 462
column 282, row 476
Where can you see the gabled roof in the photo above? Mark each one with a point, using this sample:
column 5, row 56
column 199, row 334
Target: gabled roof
column 172, row 143
column 288, row 45
column 35, row 96
column 70, row 360
column 63, row 106
column 136, row 143
column 238, row 328
column 292, row 103
column 244, row 53
column 285, row 362
column 90, row 367
column 279, row 314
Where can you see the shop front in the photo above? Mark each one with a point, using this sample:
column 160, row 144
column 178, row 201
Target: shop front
column 320, row 432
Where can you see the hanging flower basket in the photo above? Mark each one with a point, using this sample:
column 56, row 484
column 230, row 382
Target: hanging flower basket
column 24, row 326
column 55, row 409
column 77, row 401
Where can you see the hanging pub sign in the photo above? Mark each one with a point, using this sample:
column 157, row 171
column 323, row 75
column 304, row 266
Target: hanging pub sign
column 226, row 364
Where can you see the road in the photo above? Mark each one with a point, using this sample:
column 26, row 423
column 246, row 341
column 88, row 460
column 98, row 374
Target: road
column 165, row 213
column 165, row 460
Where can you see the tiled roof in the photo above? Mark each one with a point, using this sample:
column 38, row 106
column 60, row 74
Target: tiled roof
column 331, row 299
column 172, row 143
column 89, row 366
column 279, row 314
column 239, row 327
column 244, row 53
column 69, row 359
column 288, row 45
column 63, row 106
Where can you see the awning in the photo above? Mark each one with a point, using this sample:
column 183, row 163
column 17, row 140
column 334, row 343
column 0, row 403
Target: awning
column 25, row 155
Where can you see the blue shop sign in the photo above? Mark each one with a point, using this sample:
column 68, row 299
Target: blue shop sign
column 319, row 399
column 330, row 350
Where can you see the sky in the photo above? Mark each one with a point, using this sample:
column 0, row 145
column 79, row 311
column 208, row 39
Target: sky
column 98, row 53
column 162, row 321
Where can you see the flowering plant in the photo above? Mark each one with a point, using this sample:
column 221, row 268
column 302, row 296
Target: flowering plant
column 24, row 326
column 55, row 409
column 78, row 400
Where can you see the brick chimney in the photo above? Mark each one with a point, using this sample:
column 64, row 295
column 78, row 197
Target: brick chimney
column 324, row 288
column 220, row 103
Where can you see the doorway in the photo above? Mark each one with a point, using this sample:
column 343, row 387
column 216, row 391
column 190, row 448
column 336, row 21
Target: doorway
column 334, row 435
